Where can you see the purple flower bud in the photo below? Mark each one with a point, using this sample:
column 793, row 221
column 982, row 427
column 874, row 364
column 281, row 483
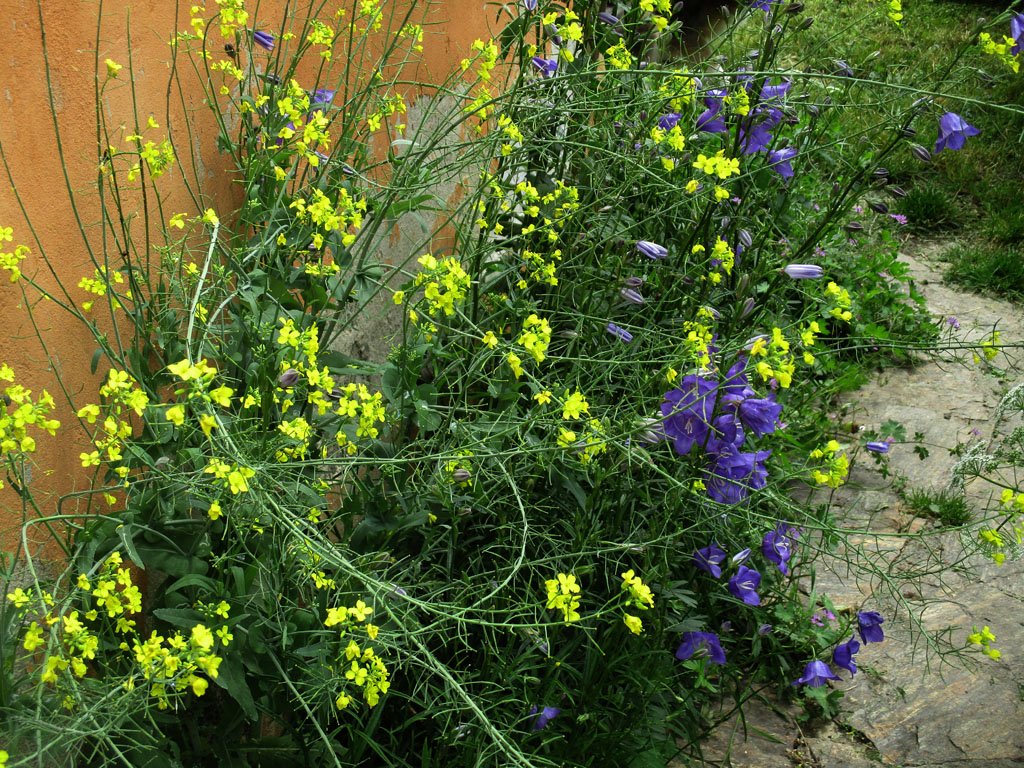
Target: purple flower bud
column 607, row 18
column 264, row 40
column 878, row 447
column 844, row 69
column 461, row 475
column 745, row 238
column 548, row 713
column 803, row 271
column 869, row 625
column 634, row 282
column 651, row 250
column 530, row 5
column 854, row 226
column 879, row 207
column 739, row 557
column 628, row 294
column 715, row 314
column 764, row 629
column 921, row 153
column 748, row 307
column 288, row 379
column 620, row 333
column 898, row 192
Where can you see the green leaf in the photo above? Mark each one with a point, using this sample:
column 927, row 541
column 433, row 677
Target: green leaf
column 231, row 678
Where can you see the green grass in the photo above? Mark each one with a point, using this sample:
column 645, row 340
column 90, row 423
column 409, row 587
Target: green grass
column 988, row 267
column 950, row 509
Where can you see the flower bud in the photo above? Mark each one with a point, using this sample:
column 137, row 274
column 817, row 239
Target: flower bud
column 461, row 475
column 854, row 227
column 288, row 379
column 607, row 18
column 805, row 24
column 880, row 173
column 631, row 296
column 897, row 192
column 748, row 307
column 745, row 238
column 634, row 282
column 794, row 7
column 742, row 283
column 803, row 271
column 908, row 132
column 921, row 153
column 879, row 207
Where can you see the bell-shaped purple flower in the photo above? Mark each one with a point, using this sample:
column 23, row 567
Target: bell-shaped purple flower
column 869, row 625
column 530, row 5
column 710, row 559
column 777, row 548
column 759, row 414
column 264, row 40
column 778, row 161
column 878, row 447
column 1017, row 33
column 619, row 333
column 769, row 92
column 754, row 138
column 668, row 121
column 953, row 132
column 547, row 67
column 546, row 716
column 701, row 644
column 803, row 271
column 688, row 412
column 651, row 250
column 744, row 584
column 843, row 655
column 321, row 101
column 726, row 432
column 815, row 674
column 732, row 475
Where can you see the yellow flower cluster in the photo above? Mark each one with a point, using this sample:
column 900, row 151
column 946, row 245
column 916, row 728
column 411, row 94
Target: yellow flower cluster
column 99, row 283
column 367, row 670
column 836, row 466
column 984, row 640
column 232, row 16
column 840, row 298
column 618, row 56
column 1001, row 50
column 344, row 215
column 894, row 10
column 460, row 463
column 680, row 87
column 10, row 261
column 536, row 337
column 486, row 59
column 638, row 595
column 718, row 165
column 445, row 283
column 697, row 338
column 778, row 363
column 234, row 477
column 808, row 337
column 21, row 413
column 322, row 34
column 563, row 595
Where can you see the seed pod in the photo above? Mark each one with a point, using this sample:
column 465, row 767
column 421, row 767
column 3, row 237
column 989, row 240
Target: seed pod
column 806, row 23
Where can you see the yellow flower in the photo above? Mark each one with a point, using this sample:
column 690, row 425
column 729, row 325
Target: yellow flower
column 33, row 637
column 113, row 68
column 199, row 685
column 543, row 398
column 210, row 217
column 516, row 363
column 83, row 582
column 490, row 339
column 215, row 511
column 175, row 415
column 575, row 405
column 633, row 623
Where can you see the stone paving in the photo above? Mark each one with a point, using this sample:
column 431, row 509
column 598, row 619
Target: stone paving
column 904, row 708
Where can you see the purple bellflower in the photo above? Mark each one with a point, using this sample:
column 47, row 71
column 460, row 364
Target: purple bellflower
column 843, row 655
column 710, row 559
column 710, row 121
column 759, row 414
column 619, row 333
column 953, row 132
column 546, row 716
column 651, row 250
column 878, row 447
column 547, row 67
column 777, row 548
column 778, row 161
column 1017, row 33
column 744, row 584
column 754, row 138
column 726, row 432
column 869, row 624
column 762, row 5
column 688, row 410
column 803, row 271
column 607, row 18
column 732, row 475
column 700, row 644
column 815, row 674
column 769, row 92
column 739, row 557
column 322, row 98
column 264, row 40
column 530, row 5
column 668, row 122
column 633, row 297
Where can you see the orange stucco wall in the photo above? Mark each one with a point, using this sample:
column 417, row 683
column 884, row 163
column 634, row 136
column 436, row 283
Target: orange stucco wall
column 29, row 140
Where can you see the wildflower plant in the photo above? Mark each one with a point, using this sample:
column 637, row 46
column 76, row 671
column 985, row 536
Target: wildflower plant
column 543, row 505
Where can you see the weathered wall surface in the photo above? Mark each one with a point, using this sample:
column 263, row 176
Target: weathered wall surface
column 52, row 53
